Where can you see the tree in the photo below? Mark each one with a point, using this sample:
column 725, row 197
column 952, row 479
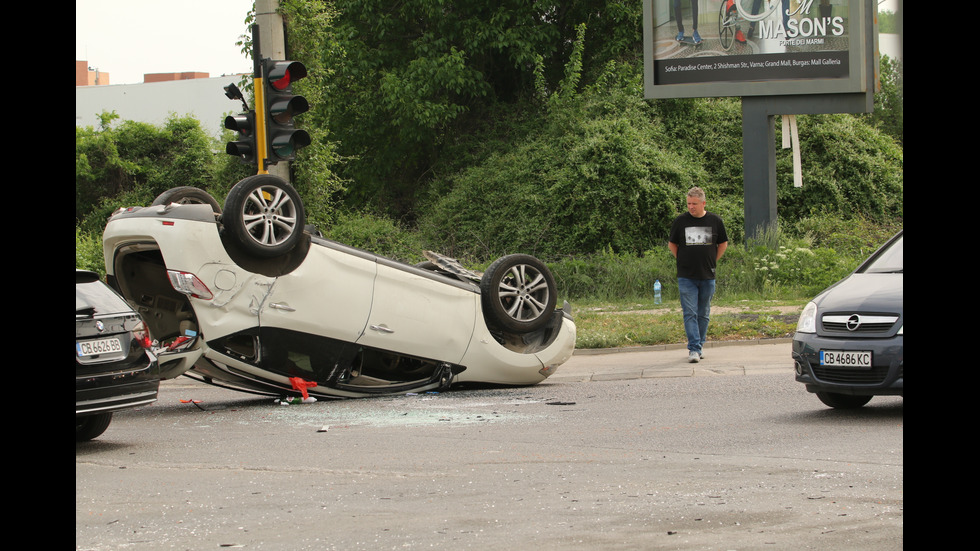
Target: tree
column 407, row 77
column 889, row 109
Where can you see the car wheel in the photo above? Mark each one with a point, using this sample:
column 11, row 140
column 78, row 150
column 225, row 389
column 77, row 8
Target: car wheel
column 187, row 195
column 91, row 426
column 265, row 215
column 518, row 294
column 842, row 401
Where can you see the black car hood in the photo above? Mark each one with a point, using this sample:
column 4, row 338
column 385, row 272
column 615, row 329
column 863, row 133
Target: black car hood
column 864, row 293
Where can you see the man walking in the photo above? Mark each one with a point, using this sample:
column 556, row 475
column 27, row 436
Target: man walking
column 697, row 240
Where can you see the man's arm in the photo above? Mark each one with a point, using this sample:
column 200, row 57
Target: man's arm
column 673, row 248
column 721, row 250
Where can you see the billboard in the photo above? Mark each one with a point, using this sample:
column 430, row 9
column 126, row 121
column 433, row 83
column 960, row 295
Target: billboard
column 758, row 47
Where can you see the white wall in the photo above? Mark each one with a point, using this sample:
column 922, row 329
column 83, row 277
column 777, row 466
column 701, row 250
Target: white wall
column 204, row 98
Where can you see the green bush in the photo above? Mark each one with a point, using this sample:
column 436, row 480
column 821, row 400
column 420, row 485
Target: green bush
column 615, row 276
column 854, row 236
column 780, row 267
column 376, row 234
column 131, row 163
column 88, row 252
column 589, row 174
column 850, row 169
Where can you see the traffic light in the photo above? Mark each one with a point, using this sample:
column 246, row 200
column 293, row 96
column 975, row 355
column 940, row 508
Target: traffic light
column 282, row 137
column 245, row 148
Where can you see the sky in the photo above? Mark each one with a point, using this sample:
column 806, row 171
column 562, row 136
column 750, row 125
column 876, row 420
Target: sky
column 127, row 38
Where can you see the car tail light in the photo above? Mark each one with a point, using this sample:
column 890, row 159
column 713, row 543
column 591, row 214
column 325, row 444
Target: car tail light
column 142, row 336
column 189, row 284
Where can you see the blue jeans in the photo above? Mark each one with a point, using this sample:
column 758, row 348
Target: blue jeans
column 696, row 304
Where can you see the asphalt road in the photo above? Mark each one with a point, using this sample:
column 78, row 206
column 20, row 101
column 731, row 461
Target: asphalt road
column 635, row 450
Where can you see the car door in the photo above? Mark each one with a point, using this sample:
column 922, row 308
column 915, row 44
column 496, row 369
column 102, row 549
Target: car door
column 329, row 295
column 420, row 314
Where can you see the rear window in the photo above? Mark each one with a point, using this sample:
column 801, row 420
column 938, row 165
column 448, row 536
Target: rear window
column 888, row 260
column 96, row 298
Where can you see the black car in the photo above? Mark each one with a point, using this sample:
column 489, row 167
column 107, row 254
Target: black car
column 848, row 345
column 114, row 368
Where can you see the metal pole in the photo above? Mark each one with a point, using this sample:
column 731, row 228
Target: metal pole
column 273, row 41
column 258, row 91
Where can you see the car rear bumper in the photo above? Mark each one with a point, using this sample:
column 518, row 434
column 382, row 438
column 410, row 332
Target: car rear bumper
column 884, row 377
column 107, row 392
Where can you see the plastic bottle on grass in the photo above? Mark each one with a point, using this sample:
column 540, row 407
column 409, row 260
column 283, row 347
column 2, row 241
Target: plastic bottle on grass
column 656, row 292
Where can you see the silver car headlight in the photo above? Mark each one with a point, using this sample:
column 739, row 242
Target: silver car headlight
column 808, row 319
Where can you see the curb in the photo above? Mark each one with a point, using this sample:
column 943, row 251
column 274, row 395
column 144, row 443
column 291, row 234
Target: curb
column 678, row 346
column 747, row 357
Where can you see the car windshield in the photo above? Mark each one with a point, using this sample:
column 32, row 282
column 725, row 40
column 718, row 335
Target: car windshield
column 95, row 298
column 889, row 260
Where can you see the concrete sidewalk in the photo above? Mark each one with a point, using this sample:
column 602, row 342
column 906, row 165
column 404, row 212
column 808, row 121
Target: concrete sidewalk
column 720, row 358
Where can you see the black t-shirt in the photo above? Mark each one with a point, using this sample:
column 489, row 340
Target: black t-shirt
column 697, row 241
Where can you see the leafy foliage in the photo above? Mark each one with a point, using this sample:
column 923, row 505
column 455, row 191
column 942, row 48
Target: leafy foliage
column 378, row 235
column 309, row 25
column 134, row 162
column 407, row 76
column 88, row 252
column 850, row 169
column 590, row 174
column 889, row 107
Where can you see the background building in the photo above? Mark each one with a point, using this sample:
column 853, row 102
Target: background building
column 157, row 98
column 86, row 76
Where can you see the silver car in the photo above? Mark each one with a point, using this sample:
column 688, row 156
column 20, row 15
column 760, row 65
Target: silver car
column 247, row 296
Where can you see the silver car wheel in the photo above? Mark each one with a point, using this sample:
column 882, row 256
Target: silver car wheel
column 187, row 195
column 269, row 216
column 266, row 214
column 518, row 293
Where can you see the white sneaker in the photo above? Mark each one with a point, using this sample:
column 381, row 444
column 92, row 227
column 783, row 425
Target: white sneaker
column 693, row 357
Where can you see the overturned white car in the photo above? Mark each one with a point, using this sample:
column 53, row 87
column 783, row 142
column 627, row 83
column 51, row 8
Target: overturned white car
column 249, row 298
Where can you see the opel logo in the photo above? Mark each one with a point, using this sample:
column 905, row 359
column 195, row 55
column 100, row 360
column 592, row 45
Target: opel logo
column 853, row 322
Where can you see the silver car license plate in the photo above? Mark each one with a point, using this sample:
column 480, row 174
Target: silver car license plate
column 846, row 358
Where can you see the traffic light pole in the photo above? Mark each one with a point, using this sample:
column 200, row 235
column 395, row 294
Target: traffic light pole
column 269, row 21
column 267, row 135
column 258, row 93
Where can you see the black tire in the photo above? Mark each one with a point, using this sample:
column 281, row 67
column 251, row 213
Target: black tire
column 518, row 294
column 726, row 25
column 843, row 401
column 187, row 195
column 265, row 215
column 91, row 426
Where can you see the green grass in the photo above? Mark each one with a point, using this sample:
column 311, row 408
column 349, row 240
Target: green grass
column 616, row 325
